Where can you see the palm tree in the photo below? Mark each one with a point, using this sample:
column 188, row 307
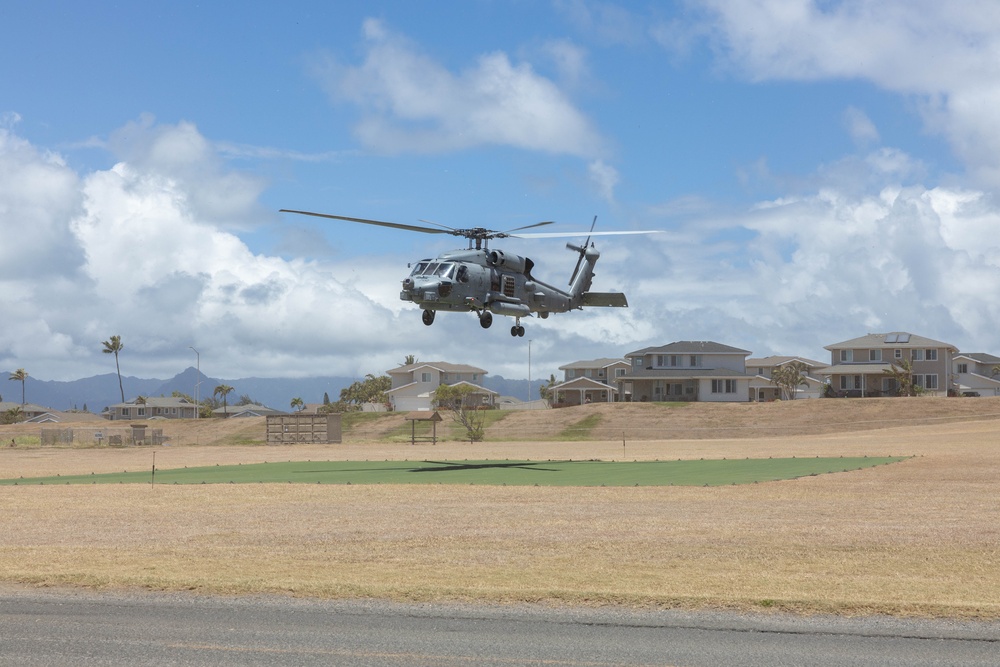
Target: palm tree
column 995, row 370
column 114, row 346
column 21, row 375
column 298, row 404
column 901, row 372
column 409, row 360
column 223, row 390
column 788, row 378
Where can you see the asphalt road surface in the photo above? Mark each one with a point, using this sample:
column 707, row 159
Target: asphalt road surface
column 41, row 627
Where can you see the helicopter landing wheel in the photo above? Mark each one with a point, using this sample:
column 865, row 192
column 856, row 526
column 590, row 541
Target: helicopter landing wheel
column 428, row 317
column 486, row 319
column 517, row 330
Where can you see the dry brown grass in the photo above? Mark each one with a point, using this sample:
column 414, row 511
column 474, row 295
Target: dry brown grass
column 919, row 537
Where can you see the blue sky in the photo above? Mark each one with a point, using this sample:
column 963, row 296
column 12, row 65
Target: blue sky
column 820, row 170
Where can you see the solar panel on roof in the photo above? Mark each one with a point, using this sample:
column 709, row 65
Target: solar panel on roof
column 904, row 338
column 890, row 338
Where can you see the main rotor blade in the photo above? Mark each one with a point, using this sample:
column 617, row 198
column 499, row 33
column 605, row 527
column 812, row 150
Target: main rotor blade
column 394, row 225
column 566, row 235
column 537, row 224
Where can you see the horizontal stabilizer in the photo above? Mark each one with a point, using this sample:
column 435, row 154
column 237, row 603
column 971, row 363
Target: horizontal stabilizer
column 612, row 299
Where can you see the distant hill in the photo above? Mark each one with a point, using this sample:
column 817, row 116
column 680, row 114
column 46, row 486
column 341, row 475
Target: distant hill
column 100, row 391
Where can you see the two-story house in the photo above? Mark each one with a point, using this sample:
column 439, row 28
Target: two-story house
column 763, row 389
column 858, row 366
column 590, row 381
column 686, row 371
column 413, row 385
column 975, row 375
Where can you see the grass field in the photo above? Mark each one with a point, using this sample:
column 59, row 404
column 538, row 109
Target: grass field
column 498, row 473
column 915, row 538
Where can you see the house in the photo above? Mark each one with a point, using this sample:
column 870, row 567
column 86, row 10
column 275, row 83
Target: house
column 763, row 389
column 858, row 366
column 251, row 410
column 589, row 382
column 686, row 371
column 973, row 371
column 164, row 407
column 38, row 414
column 413, row 385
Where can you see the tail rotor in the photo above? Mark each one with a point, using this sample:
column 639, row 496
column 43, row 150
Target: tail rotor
column 582, row 250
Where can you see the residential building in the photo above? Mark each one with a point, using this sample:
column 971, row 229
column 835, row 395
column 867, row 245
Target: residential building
column 162, row 407
column 589, row 382
column 763, row 389
column 686, row 371
column 859, row 366
column 973, row 371
column 413, row 385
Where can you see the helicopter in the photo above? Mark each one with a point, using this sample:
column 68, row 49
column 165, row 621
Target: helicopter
column 490, row 281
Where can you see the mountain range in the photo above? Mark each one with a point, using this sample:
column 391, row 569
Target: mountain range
column 98, row 392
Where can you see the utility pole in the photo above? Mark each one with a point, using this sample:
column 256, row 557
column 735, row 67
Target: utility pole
column 197, row 385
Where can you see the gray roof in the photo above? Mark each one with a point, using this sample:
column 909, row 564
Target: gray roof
column 980, row 357
column 896, row 339
column 690, row 347
column 442, row 366
column 593, row 363
column 766, row 362
column 870, row 368
column 157, row 402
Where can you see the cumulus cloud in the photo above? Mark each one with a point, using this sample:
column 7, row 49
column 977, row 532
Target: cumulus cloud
column 410, row 103
column 141, row 250
column 940, row 54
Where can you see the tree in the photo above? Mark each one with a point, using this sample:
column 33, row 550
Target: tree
column 298, row 404
column 409, row 360
column 995, row 370
column 326, row 398
column 461, row 401
column 223, row 390
column 370, row 390
column 545, row 390
column 901, row 371
column 114, row 346
column 788, row 378
column 12, row 416
column 20, row 375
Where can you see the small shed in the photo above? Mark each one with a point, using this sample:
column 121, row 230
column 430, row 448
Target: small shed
column 433, row 418
column 311, row 428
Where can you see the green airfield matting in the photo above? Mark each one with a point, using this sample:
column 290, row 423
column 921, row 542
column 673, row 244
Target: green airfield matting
column 712, row 472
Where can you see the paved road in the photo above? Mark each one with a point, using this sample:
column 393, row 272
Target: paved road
column 82, row 628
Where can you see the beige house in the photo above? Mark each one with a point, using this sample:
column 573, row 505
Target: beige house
column 858, row 365
column 162, row 407
column 413, row 385
column 589, row 382
column 973, row 371
column 763, row 389
column 686, row 371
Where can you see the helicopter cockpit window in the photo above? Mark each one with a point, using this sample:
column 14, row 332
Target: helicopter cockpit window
column 445, row 270
column 419, row 268
column 429, row 269
column 463, row 274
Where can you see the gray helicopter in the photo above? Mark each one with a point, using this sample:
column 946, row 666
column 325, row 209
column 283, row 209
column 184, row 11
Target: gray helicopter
column 489, row 282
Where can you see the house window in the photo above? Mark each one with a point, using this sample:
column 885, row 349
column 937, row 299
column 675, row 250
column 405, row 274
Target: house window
column 619, row 372
column 723, row 386
column 918, row 380
column 846, row 356
column 898, row 354
column 857, row 382
column 425, row 377
column 637, row 362
column 917, row 355
column 695, row 361
column 931, row 355
column 141, row 412
column 475, row 377
column 963, row 368
column 930, row 382
column 126, row 412
column 874, row 355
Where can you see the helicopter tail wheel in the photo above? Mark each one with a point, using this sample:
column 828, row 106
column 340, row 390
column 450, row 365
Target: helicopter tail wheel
column 428, row 317
column 486, row 319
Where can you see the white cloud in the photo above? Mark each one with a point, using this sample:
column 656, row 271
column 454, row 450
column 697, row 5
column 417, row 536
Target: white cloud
column 942, row 54
column 860, row 126
column 410, row 103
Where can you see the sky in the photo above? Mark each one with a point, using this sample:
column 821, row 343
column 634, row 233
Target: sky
column 816, row 170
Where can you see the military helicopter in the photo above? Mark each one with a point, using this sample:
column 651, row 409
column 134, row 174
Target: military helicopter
column 489, row 282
